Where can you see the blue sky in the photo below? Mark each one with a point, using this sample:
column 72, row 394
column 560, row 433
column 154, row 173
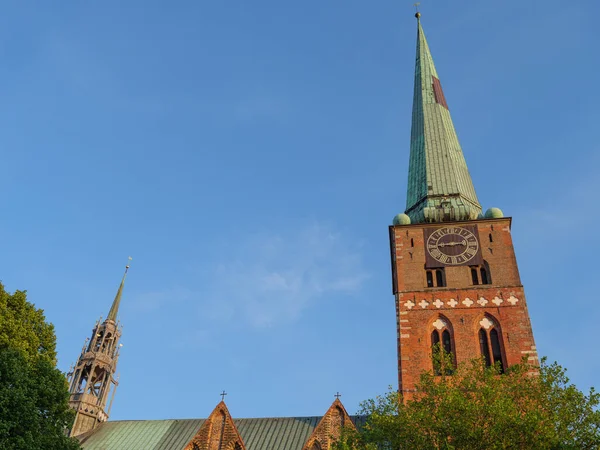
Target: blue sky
column 250, row 156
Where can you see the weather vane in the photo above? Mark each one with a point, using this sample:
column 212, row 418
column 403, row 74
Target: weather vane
column 417, row 14
column 129, row 258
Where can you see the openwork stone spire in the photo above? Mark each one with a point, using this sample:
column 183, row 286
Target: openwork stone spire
column 93, row 381
column 440, row 188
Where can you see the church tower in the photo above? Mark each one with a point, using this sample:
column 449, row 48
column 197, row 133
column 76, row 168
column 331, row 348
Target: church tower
column 454, row 272
column 92, row 381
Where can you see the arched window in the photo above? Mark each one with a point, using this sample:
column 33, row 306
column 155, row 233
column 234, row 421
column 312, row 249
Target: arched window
column 490, row 342
column 315, row 446
column 429, row 279
column 442, row 347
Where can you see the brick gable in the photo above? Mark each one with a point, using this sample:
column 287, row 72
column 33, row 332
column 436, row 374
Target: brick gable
column 329, row 428
column 218, row 432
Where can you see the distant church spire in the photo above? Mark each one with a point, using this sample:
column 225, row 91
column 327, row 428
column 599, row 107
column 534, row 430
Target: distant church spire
column 440, row 188
column 92, row 381
column 114, row 309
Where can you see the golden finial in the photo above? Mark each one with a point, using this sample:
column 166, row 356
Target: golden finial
column 418, row 14
column 129, row 258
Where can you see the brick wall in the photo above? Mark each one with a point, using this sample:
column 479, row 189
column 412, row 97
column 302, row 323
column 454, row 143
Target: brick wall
column 460, row 304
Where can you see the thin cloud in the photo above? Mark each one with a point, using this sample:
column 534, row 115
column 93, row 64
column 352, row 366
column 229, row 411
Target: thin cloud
column 274, row 279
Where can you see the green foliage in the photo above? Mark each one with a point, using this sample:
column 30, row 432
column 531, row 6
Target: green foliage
column 34, row 410
column 525, row 408
column 24, row 327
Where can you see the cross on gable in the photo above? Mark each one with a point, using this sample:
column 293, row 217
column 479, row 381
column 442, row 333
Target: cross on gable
column 223, row 394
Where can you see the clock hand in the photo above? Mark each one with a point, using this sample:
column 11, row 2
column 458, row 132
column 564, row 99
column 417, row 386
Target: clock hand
column 452, row 244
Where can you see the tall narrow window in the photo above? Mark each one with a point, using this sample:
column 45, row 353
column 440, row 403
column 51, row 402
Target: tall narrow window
column 412, row 242
column 435, row 352
column 484, row 347
column 446, row 341
column 474, row 277
column 484, row 276
column 439, row 278
column 488, row 273
column 496, row 351
column 429, row 279
column 491, row 238
column 435, row 337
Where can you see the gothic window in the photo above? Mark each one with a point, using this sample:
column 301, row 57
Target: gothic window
column 490, row 342
column 436, row 277
column 315, row 446
column 442, row 347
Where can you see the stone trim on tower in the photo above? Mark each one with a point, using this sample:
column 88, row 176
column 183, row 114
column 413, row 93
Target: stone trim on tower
column 218, row 432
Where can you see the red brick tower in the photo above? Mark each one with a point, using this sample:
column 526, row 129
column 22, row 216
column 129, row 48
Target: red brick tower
column 454, row 271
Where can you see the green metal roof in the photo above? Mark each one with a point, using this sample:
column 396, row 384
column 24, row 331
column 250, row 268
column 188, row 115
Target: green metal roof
column 279, row 433
column 142, row 435
column 439, row 185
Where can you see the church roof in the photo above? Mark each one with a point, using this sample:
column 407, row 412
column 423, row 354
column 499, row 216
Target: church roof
column 278, row 433
column 439, row 184
column 141, row 435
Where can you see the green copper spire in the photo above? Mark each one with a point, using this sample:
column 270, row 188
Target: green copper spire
column 114, row 309
column 439, row 185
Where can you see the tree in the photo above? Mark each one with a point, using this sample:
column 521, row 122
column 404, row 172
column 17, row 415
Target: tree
column 24, row 327
column 34, row 409
column 476, row 407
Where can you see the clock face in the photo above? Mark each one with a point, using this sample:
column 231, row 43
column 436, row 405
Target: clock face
column 452, row 245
